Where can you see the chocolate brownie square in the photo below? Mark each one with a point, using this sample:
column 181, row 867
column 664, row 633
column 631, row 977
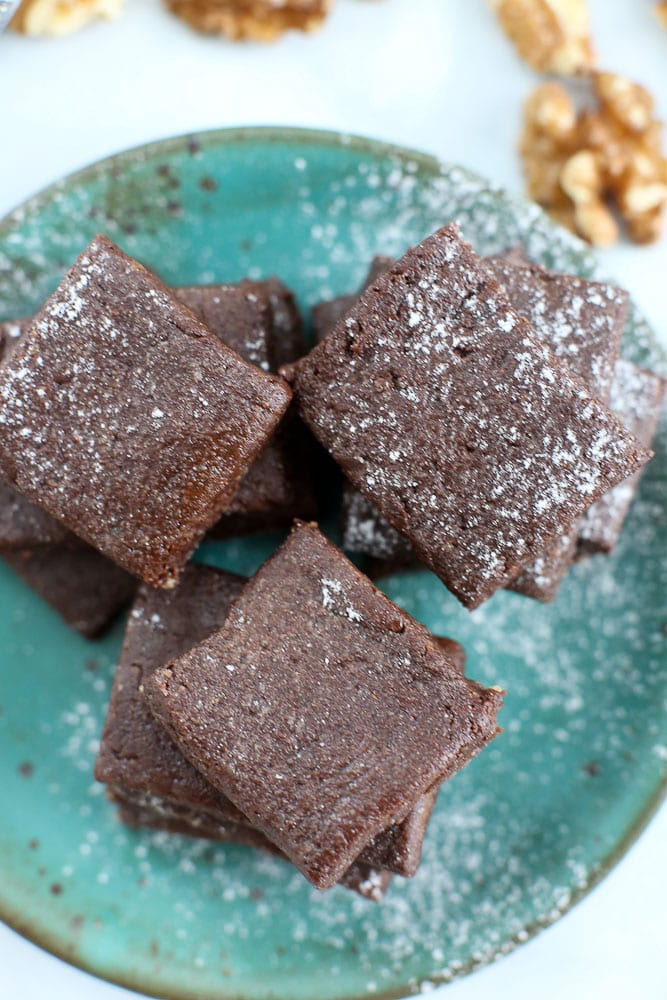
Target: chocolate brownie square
column 320, row 708
column 449, row 414
column 135, row 752
column 325, row 315
column 260, row 321
column 278, row 487
column 637, row 396
column 81, row 585
column 137, row 759
column 127, row 419
column 363, row 528
column 582, row 322
column 257, row 319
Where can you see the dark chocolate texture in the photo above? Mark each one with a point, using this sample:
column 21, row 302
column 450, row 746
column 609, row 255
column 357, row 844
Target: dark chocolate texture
column 582, row 322
column 137, row 756
column 320, row 708
column 127, row 419
column 446, row 411
column 260, row 321
column 80, row 584
column 24, row 525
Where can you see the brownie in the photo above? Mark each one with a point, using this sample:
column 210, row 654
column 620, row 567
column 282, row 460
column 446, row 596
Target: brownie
column 364, row 879
column 333, row 733
column 137, row 757
column 127, row 419
column 81, row 585
column 454, row 650
column 582, row 322
column 449, row 414
column 325, row 315
column 24, row 525
column 257, row 319
column 135, row 752
column 637, row 396
column 260, row 321
column 175, row 817
column 363, row 528
column 398, row 849
column 288, row 341
column 278, row 486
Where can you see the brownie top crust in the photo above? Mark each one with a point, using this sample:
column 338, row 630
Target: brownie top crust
column 127, row 419
column 467, row 433
column 320, row 708
column 581, row 321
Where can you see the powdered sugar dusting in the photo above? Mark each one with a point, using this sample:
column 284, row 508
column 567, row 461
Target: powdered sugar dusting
column 334, row 599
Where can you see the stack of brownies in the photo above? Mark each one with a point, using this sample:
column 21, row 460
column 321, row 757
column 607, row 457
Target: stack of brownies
column 468, row 403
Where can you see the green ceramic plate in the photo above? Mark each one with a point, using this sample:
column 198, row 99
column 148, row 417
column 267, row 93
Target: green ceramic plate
column 523, row 832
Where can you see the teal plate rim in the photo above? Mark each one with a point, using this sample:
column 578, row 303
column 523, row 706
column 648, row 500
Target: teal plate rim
column 327, row 138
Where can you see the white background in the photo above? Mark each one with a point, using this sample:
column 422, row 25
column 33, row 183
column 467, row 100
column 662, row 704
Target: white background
column 433, row 74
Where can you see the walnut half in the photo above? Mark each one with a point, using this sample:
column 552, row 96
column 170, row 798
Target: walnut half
column 257, row 20
column 62, row 17
column 552, row 36
column 585, row 169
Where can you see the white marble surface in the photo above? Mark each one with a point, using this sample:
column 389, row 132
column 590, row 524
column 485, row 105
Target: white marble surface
column 433, row 74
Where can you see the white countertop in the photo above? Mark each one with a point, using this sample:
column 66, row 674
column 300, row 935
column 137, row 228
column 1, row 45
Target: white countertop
column 426, row 73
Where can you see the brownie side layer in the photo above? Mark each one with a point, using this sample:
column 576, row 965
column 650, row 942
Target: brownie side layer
column 86, row 589
column 368, row 881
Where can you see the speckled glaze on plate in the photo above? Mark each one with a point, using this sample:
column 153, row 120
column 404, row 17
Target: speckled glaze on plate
column 524, row 831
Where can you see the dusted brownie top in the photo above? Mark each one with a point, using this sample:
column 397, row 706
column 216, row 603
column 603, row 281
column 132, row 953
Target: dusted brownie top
column 124, row 417
column 445, row 410
column 581, row 321
column 320, row 708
